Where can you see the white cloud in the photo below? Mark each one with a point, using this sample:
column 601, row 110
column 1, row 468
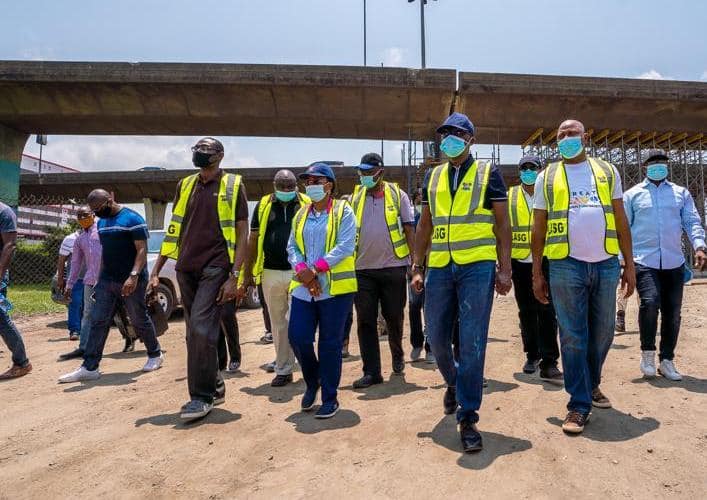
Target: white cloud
column 393, row 57
column 704, row 75
column 653, row 75
column 130, row 152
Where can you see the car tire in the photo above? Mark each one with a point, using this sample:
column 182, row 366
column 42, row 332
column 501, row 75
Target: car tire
column 252, row 299
column 165, row 297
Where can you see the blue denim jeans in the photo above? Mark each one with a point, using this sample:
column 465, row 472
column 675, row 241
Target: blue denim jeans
column 88, row 303
column 329, row 316
column 108, row 293
column 468, row 291
column 584, row 295
column 12, row 338
column 75, row 307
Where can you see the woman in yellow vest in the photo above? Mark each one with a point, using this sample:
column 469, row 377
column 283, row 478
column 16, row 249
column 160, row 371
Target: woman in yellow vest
column 321, row 251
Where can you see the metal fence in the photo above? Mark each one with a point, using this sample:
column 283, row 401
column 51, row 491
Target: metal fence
column 42, row 224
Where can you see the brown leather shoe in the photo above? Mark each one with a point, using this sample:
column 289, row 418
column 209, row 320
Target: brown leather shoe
column 16, row 371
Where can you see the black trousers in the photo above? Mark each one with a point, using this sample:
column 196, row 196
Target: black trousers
column 229, row 335
column 659, row 290
column 387, row 286
column 417, row 331
column 537, row 321
column 264, row 306
column 203, row 321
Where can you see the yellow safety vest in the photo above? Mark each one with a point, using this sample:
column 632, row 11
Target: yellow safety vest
column 392, row 213
column 462, row 229
column 521, row 218
column 227, row 196
column 557, row 197
column 342, row 277
column 263, row 217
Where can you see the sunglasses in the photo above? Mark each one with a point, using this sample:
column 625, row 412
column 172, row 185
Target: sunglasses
column 311, row 181
column 530, row 166
column 455, row 132
column 203, row 148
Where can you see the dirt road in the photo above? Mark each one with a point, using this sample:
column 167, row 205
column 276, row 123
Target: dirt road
column 121, row 437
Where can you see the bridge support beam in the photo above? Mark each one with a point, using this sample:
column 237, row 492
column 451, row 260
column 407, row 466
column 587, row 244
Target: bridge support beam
column 12, row 143
column 154, row 213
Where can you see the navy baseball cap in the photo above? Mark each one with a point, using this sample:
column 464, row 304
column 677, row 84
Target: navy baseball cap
column 457, row 121
column 318, row 170
column 655, row 154
column 370, row 161
column 532, row 159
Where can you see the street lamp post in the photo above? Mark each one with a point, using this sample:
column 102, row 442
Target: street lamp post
column 422, row 30
column 364, row 32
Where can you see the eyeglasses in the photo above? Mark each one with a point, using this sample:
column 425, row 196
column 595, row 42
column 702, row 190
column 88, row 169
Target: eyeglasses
column 205, row 148
column 311, row 181
column 457, row 132
column 83, row 216
column 530, row 166
column 96, row 210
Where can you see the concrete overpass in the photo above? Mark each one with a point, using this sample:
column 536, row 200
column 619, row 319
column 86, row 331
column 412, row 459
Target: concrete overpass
column 318, row 101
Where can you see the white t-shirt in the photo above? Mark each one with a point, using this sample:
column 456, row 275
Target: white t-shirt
column 67, row 246
column 529, row 203
column 586, row 224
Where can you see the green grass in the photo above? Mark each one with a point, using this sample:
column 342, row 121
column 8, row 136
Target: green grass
column 32, row 299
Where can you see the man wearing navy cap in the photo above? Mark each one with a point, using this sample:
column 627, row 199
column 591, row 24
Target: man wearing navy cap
column 464, row 221
column 537, row 321
column 658, row 212
column 385, row 220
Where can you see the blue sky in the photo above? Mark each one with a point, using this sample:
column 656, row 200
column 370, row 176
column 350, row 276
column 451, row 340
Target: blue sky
column 620, row 38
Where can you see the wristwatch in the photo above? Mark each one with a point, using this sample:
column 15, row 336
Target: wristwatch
column 133, row 274
column 235, row 274
column 418, row 267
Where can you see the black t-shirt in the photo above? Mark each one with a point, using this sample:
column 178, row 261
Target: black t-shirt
column 277, row 233
column 201, row 242
column 495, row 190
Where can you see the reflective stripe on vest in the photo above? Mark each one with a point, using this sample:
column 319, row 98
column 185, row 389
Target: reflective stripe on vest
column 462, row 229
column 391, row 197
column 521, row 219
column 557, row 197
column 342, row 277
column 227, row 197
column 264, row 209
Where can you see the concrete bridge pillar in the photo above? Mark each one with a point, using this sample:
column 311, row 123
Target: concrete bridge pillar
column 12, row 143
column 154, row 213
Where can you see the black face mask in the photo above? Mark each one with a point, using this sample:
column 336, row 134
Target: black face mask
column 201, row 160
column 104, row 212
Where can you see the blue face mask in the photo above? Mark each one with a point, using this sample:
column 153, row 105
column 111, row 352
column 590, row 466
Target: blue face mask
column 368, row 181
column 452, row 146
column 528, row 176
column 657, row 171
column 285, row 196
column 570, row 147
column 316, row 192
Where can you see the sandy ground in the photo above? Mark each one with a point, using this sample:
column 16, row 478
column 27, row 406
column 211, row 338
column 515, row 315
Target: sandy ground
column 121, row 437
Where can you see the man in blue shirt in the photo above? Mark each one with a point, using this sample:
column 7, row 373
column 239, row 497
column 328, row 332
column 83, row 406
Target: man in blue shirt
column 123, row 235
column 658, row 212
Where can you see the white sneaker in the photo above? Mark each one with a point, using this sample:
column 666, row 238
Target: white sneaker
column 270, row 367
column 415, row 353
column 153, row 363
column 648, row 363
column 81, row 373
column 667, row 370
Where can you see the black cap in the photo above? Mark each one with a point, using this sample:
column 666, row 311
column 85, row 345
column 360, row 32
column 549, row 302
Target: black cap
column 532, row 159
column 654, row 154
column 370, row 160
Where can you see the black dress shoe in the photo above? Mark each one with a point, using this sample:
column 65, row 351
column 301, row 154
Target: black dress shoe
column 76, row 353
column 398, row 366
column 367, row 381
column 281, row 380
column 129, row 345
column 450, row 400
column 471, row 438
column 530, row 366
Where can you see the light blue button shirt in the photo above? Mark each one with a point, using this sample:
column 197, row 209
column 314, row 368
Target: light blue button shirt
column 315, row 247
column 657, row 216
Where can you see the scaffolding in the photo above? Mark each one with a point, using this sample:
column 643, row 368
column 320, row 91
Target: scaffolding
column 623, row 148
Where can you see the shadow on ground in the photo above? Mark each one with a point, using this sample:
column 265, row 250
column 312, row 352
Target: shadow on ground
column 305, row 422
column 498, row 386
column 691, row 384
column 535, row 380
column 276, row 394
column 445, row 434
column 395, row 386
column 612, row 425
column 217, row 416
column 107, row 379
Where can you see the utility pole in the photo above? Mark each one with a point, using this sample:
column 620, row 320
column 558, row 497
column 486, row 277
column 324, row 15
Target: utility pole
column 422, row 31
column 364, row 32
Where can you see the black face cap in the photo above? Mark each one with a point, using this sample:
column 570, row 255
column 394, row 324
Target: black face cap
column 372, row 159
column 654, row 154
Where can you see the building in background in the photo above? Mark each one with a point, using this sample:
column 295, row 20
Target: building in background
column 33, row 221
